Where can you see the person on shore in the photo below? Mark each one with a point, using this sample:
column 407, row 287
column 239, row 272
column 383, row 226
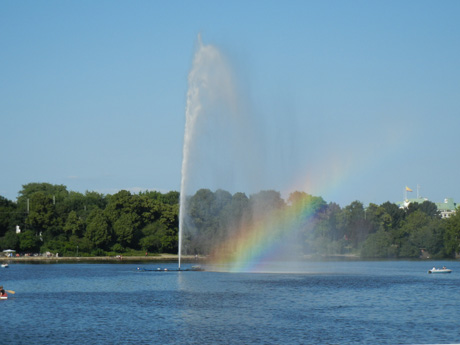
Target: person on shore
column 3, row 292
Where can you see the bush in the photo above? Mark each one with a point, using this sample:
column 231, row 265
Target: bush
column 97, row 252
column 117, row 248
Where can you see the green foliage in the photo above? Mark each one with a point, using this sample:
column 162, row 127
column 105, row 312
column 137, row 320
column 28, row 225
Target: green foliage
column 8, row 211
column 40, row 216
column 124, row 229
column 396, row 215
column 170, row 198
column 419, row 231
column 452, row 235
column 71, row 223
column 29, row 242
column 154, row 235
column 97, row 229
column 9, row 241
column 117, row 248
column 430, row 209
column 377, row 245
column 74, row 225
column 98, row 252
column 264, row 202
column 356, row 226
column 59, row 245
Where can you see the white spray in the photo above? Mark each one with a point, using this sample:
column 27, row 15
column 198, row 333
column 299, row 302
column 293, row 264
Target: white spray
column 222, row 146
column 206, row 81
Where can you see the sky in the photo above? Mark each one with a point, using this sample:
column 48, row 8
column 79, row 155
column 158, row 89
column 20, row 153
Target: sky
column 351, row 100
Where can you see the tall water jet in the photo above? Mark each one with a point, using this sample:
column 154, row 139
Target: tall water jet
column 224, row 150
column 210, row 86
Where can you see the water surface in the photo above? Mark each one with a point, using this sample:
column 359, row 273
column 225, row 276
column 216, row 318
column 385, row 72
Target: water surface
column 349, row 302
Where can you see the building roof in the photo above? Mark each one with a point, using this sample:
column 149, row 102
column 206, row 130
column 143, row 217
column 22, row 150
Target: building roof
column 447, row 205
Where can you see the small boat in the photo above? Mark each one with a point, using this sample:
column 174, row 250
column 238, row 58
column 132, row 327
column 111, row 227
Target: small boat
column 440, row 270
column 5, row 266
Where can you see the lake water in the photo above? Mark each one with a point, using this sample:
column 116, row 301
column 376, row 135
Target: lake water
column 347, row 302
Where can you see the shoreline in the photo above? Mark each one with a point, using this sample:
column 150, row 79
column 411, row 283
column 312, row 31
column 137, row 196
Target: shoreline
column 159, row 257
column 184, row 258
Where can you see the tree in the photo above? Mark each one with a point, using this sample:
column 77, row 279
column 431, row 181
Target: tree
column 419, row 231
column 170, row 218
column 452, row 234
column 62, row 220
column 377, row 218
column 123, row 229
column 97, row 229
column 74, row 225
column 430, row 209
column 28, row 190
column 170, row 198
column 235, row 214
column 203, row 221
column 41, row 215
column 29, row 241
column 157, row 238
column 95, row 200
column 378, row 245
column 9, row 241
column 76, row 202
column 397, row 215
column 265, row 202
column 429, row 237
column 357, row 228
column 7, row 210
column 328, row 235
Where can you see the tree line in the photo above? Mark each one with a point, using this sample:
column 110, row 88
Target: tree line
column 66, row 222
column 53, row 219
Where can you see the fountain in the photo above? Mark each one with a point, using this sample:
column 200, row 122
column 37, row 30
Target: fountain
column 208, row 70
column 221, row 142
column 223, row 148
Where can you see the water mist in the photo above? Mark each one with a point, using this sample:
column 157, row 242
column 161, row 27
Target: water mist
column 225, row 150
column 210, row 90
column 222, row 146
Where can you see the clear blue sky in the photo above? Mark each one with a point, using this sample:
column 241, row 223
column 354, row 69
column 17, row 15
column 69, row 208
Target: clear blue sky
column 356, row 99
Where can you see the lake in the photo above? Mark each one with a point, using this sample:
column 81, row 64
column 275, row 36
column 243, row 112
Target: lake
column 330, row 302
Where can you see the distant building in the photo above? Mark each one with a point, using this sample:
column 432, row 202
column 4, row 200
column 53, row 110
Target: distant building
column 407, row 202
column 446, row 208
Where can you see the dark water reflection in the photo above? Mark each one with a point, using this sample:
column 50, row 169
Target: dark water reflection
column 388, row 302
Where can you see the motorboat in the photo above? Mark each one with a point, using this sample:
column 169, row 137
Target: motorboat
column 440, row 270
column 5, row 266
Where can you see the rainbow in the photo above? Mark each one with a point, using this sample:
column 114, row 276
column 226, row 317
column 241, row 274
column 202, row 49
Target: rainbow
column 252, row 247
